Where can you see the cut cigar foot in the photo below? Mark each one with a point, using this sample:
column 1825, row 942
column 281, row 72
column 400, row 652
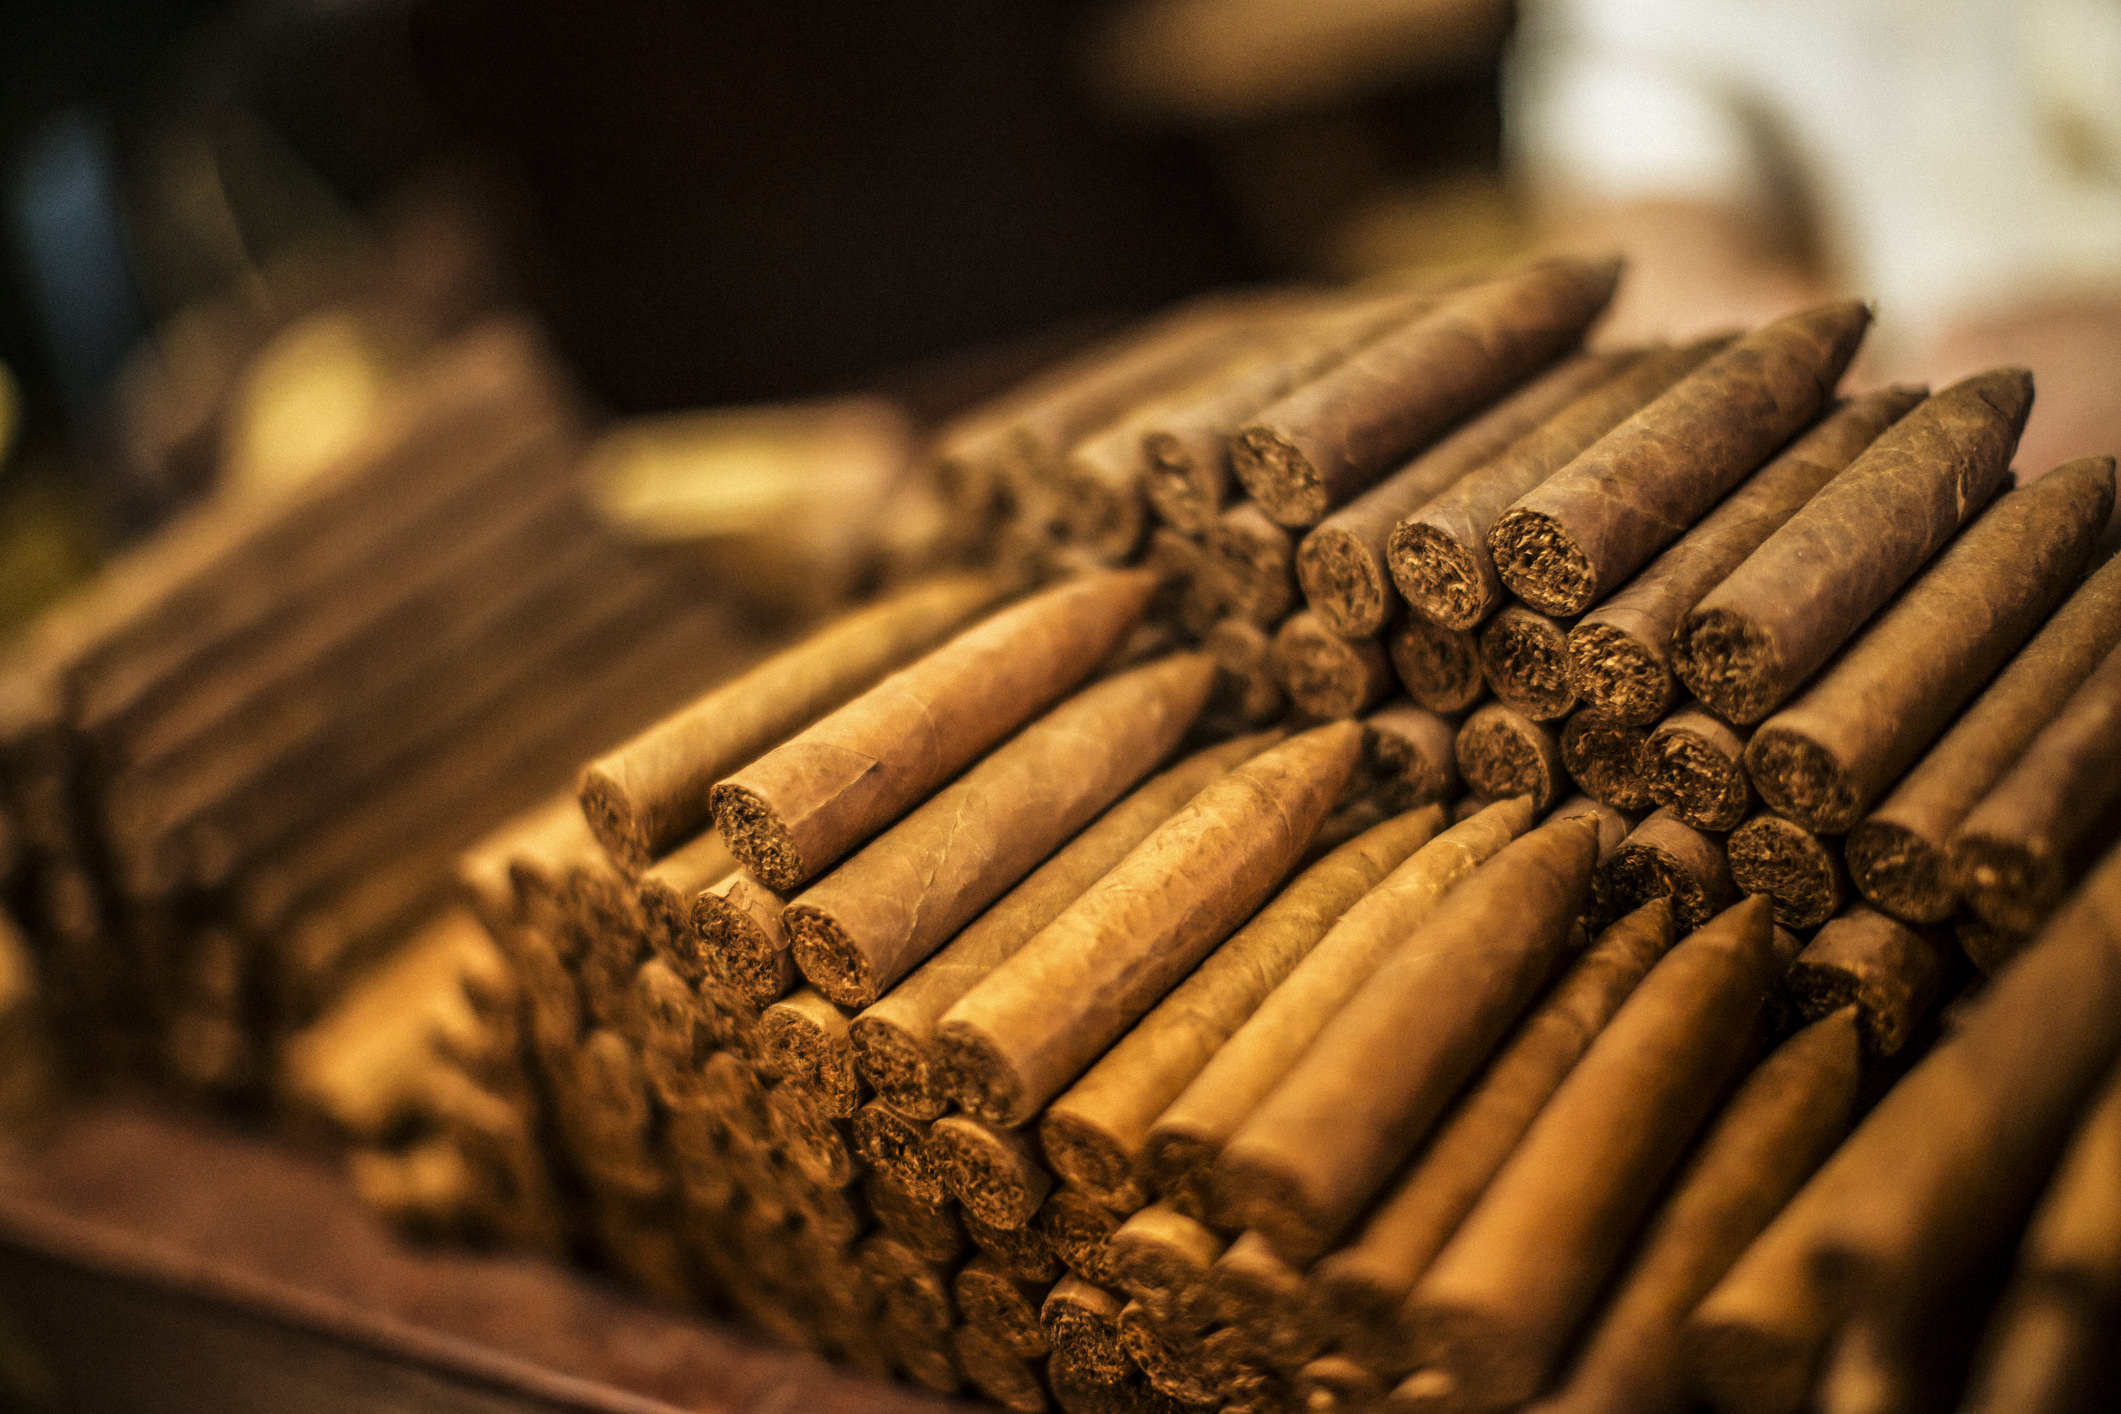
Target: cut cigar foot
column 1899, row 872
column 1524, row 656
column 1341, row 582
column 1438, row 666
column 1604, row 755
column 1729, row 664
column 994, row 1172
column 1666, row 858
column 1800, row 872
column 1694, row 765
column 757, row 836
column 1616, row 674
column 1439, row 576
column 1325, row 675
column 1503, row 754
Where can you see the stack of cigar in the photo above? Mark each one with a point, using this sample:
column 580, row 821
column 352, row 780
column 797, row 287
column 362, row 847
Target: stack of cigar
column 240, row 763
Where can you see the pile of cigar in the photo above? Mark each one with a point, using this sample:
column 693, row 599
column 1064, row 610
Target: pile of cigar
column 1005, row 994
column 239, row 765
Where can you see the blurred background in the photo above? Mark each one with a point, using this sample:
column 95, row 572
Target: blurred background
column 226, row 222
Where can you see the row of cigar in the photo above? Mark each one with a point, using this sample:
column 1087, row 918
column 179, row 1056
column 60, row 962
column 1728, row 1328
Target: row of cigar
column 239, row 764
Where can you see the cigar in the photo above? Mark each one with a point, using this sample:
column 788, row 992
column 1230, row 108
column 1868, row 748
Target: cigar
column 1663, row 857
column 602, row 1107
column 1896, row 854
column 1253, row 563
column 897, row 1147
column 1524, row 655
column 1251, row 1288
column 1325, row 675
column 1571, row 541
column 669, row 892
column 1410, row 752
column 1754, row 1344
column 1501, row 753
column 1075, row 1226
column 1805, row 591
column 1438, row 666
column 1305, row 1161
column 1033, row 1023
column 2012, row 857
column 1620, row 653
column 1828, row 756
column 1774, row 1132
column 1082, row 1325
column 1892, row 973
column 996, row 1173
column 1604, row 755
column 650, row 795
column 2049, row 1344
column 1093, row 1134
column 1694, row 765
column 1342, row 564
column 997, row 1372
column 1439, row 554
column 1247, row 696
column 932, row 1231
column 812, row 1140
column 809, row 801
column 1336, row 1382
column 1356, row 1294
column 1183, row 1144
column 1002, row 1305
column 1022, row 1252
column 1799, row 871
column 1332, row 438
column 1498, row 1306
column 737, row 933
column 1161, row 1258
column 858, row 931
column 669, row 1031
column 893, row 1037
column 804, row 1038
column 1170, row 1358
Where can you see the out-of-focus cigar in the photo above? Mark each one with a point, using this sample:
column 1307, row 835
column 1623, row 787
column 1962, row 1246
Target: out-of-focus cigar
column 806, row 803
column 1439, row 554
column 1332, row 438
column 1502, row 753
column 1336, row 1382
column 1524, row 655
column 1571, row 541
column 1896, row 854
column 1082, row 1320
column 1252, row 1287
column 2049, row 1345
column 650, row 795
column 997, row 1372
column 1003, row 1305
column 897, row 1148
column 1828, row 756
column 893, row 1037
column 1031, row 1025
column 1170, row 1357
column 1022, row 1252
column 1356, row 1294
column 1246, row 692
column 1694, row 764
column 1498, row 1306
column 1183, row 1144
column 1664, row 857
column 1754, row 638
column 1161, row 1258
column 1410, row 753
column 1075, row 1226
column 1604, row 755
column 1782, row 1122
column 1801, row 872
column 1620, row 653
column 2012, row 856
column 857, row 932
column 805, row 1042
column 996, row 1173
column 1342, row 564
column 736, row 930
column 1093, row 1133
column 1891, row 972
column 1253, row 562
column 1439, row 667
column 1325, row 675
column 669, row 891
column 1369, row 1088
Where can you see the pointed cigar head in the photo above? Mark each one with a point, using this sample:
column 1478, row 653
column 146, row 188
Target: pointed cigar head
column 2009, row 391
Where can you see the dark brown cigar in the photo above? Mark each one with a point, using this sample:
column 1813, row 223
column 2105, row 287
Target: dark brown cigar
column 1325, row 675
column 1308, row 1159
column 1501, row 753
column 1695, row 767
column 1664, row 857
column 1184, row 1142
column 1828, row 756
column 1253, row 564
column 1620, row 653
column 1410, row 753
column 1093, row 1134
column 1439, row 553
column 1525, row 657
column 1082, row 1321
column 1604, row 755
column 1342, row 563
column 1439, row 667
column 1782, row 1122
column 1892, row 973
column 1030, row 1026
column 650, row 795
column 1332, row 438
column 995, row 1173
column 1246, row 693
column 1356, row 1294
column 2013, row 855
column 1496, row 1309
column 1578, row 536
column 806, row 803
column 1799, row 871
column 1022, row 1252
column 873, row 919
column 1075, row 1226
column 1897, row 853
column 893, row 1038
column 1755, row 638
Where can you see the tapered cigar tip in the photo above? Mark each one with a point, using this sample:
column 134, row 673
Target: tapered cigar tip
column 2009, row 391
